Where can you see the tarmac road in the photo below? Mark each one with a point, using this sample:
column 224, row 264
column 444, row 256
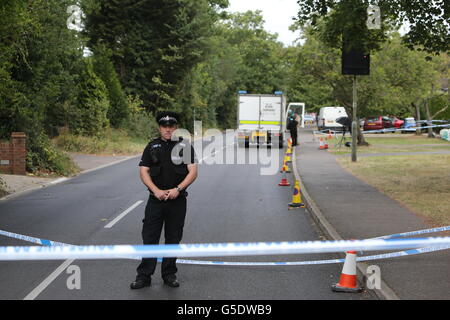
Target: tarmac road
column 227, row 203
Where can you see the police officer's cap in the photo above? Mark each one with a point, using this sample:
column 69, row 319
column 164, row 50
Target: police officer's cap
column 167, row 118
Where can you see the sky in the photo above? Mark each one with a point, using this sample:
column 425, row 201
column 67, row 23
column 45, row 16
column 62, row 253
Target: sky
column 278, row 15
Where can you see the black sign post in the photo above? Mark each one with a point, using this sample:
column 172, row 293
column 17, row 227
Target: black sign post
column 355, row 62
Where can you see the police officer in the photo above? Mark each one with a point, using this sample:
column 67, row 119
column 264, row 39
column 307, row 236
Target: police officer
column 168, row 166
column 292, row 127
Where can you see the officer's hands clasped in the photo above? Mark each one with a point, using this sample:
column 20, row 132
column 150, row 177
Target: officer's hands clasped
column 164, row 195
column 172, row 194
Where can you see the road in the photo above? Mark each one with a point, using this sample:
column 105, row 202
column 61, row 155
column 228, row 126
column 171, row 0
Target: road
column 227, row 203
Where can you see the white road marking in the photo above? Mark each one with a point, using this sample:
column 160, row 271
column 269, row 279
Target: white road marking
column 123, row 214
column 44, row 284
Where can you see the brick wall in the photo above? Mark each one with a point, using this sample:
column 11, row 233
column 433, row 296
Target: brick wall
column 13, row 154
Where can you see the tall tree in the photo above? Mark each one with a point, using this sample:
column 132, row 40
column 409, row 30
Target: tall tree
column 243, row 56
column 90, row 117
column 155, row 43
column 428, row 22
column 119, row 110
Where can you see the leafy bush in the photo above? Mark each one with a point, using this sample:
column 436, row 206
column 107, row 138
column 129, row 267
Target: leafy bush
column 43, row 157
column 114, row 141
column 82, row 144
column 3, row 191
column 140, row 124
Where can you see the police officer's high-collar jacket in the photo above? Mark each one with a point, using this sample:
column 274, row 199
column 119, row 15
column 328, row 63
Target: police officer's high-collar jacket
column 168, row 161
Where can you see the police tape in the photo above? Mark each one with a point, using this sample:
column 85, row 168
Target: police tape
column 406, row 129
column 43, row 242
column 212, row 249
column 415, row 233
column 46, row 242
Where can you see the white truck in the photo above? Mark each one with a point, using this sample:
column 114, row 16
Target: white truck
column 261, row 119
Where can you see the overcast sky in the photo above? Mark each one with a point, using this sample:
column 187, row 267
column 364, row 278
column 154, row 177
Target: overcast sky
column 278, row 15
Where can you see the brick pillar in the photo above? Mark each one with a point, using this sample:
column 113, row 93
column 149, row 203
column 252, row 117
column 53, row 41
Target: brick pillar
column 5, row 158
column 19, row 153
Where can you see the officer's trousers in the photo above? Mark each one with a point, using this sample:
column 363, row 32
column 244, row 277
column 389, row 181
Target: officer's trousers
column 294, row 136
column 170, row 214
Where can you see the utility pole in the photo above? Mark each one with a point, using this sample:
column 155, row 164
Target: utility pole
column 355, row 123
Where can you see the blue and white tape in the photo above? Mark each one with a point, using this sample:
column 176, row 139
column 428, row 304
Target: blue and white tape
column 407, row 129
column 43, row 242
column 415, row 233
column 299, row 263
column 212, row 250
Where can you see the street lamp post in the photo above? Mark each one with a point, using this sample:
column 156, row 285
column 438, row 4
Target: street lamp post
column 355, row 120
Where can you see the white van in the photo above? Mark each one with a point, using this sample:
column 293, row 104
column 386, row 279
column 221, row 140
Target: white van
column 327, row 118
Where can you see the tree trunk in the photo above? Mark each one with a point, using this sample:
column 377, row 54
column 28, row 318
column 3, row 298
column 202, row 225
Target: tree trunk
column 417, row 107
column 429, row 120
column 361, row 139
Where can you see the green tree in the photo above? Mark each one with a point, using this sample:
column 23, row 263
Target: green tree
column 427, row 20
column 155, row 43
column 90, row 115
column 399, row 78
column 119, row 110
column 39, row 64
column 242, row 56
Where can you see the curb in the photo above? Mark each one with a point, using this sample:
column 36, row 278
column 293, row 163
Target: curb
column 385, row 293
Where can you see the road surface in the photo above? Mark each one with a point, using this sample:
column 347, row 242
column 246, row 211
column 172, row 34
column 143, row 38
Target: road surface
column 227, row 203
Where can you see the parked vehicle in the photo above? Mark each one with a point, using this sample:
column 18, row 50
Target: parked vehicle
column 261, row 119
column 328, row 116
column 398, row 123
column 377, row 123
column 409, row 124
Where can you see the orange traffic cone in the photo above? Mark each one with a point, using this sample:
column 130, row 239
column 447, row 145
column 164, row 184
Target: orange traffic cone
column 297, row 197
column 284, row 181
column 323, row 144
column 348, row 281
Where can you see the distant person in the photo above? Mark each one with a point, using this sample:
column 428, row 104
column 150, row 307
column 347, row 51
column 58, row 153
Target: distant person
column 298, row 119
column 293, row 129
column 168, row 166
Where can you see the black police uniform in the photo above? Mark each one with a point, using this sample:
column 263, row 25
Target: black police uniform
column 292, row 126
column 167, row 171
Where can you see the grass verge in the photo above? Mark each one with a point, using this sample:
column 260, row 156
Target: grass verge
column 114, row 142
column 421, row 183
column 400, row 144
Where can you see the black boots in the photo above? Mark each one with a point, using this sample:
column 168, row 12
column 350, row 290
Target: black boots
column 169, row 280
column 140, row 283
